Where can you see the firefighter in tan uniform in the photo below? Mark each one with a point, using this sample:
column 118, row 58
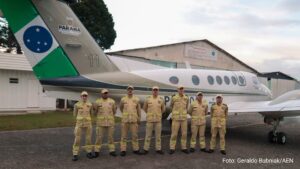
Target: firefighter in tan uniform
column 154, row 106
column 83, row 111
column 219, row 112
column 198, row 110
column 105, row 109
column 179, row 105
column 131, row 115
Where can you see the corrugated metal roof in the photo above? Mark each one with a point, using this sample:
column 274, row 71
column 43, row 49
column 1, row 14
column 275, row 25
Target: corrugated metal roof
column 10, row 61
column 278, row 75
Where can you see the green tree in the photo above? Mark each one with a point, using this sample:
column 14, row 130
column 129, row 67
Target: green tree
column 8, row 40
column 92, row 13
column 96, row 18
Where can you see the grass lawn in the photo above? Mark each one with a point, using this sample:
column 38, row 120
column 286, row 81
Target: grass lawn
column 37, row 121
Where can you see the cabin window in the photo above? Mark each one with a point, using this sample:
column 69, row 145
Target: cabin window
column 174, row 80
column 226, row 80
column 210, row 80
column 195, row 80
column 234, row 80
column 219, row 80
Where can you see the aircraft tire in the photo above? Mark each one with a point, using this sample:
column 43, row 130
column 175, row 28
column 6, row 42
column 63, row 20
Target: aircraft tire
column 271, row 137
column 281, row 138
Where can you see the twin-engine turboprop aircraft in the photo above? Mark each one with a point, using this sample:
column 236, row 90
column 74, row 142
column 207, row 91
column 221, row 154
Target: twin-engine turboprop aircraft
column 66, row 60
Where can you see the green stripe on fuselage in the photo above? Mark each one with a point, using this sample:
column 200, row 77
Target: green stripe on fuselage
column 18, row 13
column 56, row 64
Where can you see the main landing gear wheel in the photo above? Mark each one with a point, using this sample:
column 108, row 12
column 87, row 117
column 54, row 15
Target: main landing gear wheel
column 274, row 136
column 277, row 137
column 281, row 138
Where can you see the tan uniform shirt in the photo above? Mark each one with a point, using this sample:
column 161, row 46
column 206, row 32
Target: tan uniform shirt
column 105, row 109
column 131, row 109
column 179, row 106
column 154, row 107
column 198, row 111
column 219, row 114
column 82, row 112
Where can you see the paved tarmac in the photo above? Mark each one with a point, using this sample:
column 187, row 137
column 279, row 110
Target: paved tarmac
column 247, row 147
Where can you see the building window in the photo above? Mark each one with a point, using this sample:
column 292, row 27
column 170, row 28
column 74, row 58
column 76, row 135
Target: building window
column 219, row 80
column 14, row 80
column 226, row 80
column 210, row 80
column 196, row 80
column 234, row 80
column 174, row 80
column 164, row 63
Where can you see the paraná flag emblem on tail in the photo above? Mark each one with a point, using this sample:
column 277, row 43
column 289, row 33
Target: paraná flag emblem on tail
column 37, row 39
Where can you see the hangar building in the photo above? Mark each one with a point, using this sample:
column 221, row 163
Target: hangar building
column 205, row 55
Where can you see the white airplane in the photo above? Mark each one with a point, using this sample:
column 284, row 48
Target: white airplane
column 67, row 60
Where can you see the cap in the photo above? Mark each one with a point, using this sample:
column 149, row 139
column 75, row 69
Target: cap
column 155, row 87
column 219, row 95
column 179, row 87
column 130, row 87
column 104, row 91
column 84, row 93
column 199, row 93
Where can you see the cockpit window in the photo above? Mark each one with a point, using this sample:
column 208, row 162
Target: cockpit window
column 242, row 81
column 210, row 80
column 195, row 80
column 174, row 80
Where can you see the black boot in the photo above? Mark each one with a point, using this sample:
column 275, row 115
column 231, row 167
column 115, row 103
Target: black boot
column 160, row 152
column 223, row 152
column 75, row 158
column 123, row 153
column 96, row 154
column 210, row 151
column 144, row 152
column 185, row 151
column 192, row 150
column 203, row 150
column 171, row 151
column 89, row 155
column 137, row 152
column 113, row 153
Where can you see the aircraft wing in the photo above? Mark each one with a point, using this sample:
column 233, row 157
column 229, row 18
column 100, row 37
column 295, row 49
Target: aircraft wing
column 285, row 105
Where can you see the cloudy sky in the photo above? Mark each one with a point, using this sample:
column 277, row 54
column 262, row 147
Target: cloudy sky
column 264, row 34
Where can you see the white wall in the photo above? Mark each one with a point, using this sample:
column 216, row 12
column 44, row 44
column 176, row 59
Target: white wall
column 27, row 95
